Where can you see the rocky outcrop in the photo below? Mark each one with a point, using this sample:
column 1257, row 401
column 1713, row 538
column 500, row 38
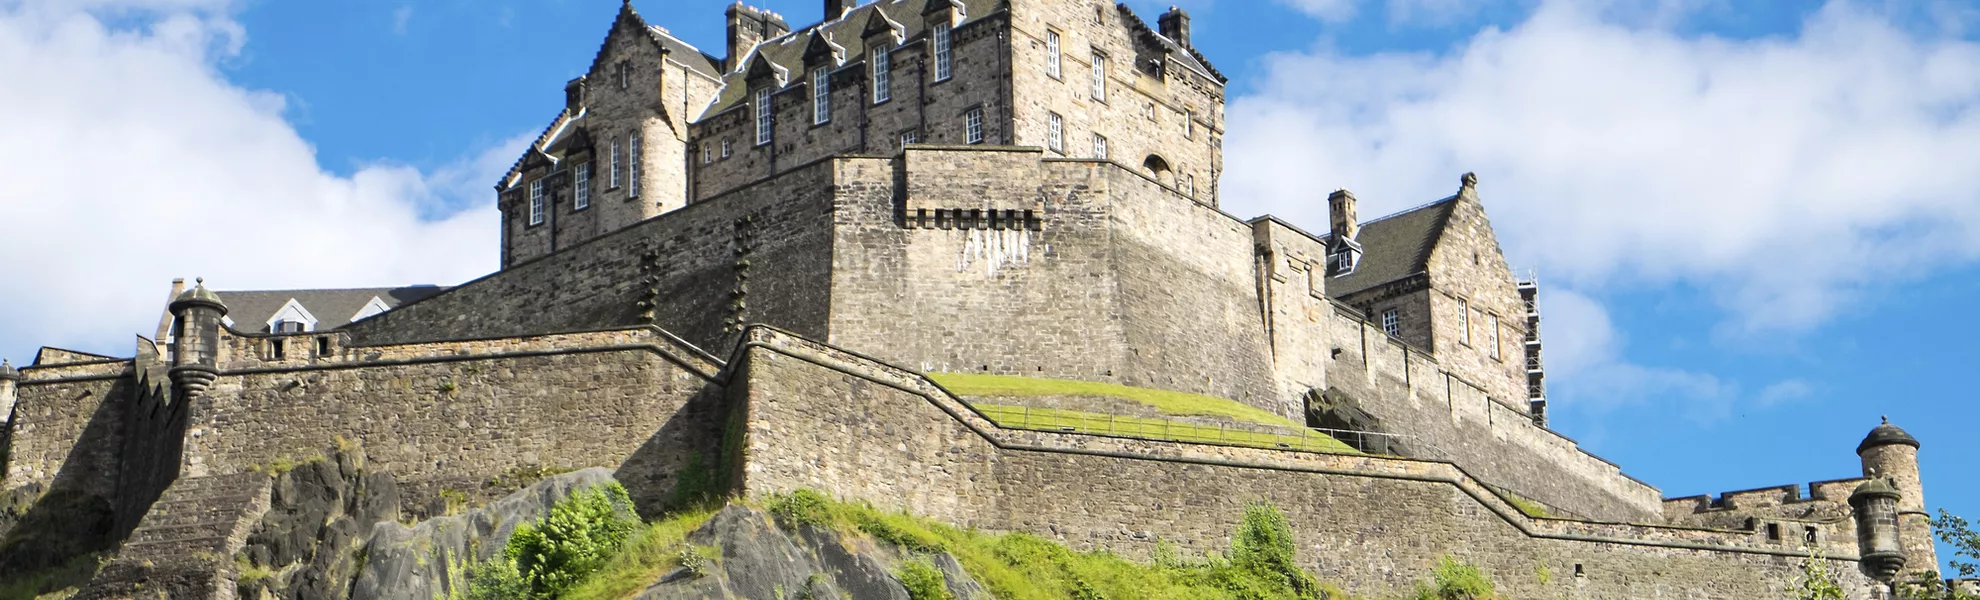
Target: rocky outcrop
column 761, row 558
column 307, row 545
column 424, row 561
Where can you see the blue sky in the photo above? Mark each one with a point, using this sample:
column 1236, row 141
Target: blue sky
column 1756, row 224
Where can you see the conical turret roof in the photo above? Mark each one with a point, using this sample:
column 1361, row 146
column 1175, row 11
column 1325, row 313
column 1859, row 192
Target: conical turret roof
column 199, row 295
column 1885, row 435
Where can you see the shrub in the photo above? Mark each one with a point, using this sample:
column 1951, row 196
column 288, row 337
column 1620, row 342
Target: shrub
column 1455, row 580
column 574, row 540
column 802, row 507
column 1262, row 564
column 924, row 582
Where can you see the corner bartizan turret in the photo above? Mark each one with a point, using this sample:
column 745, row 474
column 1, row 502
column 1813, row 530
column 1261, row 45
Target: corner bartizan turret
column 1891, row 455
column 9, row 384
column 195, row 362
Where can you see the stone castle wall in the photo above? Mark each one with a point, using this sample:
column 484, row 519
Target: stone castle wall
column 874, row 433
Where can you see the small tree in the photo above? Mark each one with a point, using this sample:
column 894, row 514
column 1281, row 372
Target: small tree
column 1815, row 582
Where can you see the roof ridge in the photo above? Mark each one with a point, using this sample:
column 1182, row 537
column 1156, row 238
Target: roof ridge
column 1409, row 210
column 1143, row 27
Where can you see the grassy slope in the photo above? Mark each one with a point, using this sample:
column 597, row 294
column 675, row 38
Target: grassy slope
column 1165, row 401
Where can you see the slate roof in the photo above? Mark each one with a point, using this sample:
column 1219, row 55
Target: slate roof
column 250, row 310
column 1394, row 247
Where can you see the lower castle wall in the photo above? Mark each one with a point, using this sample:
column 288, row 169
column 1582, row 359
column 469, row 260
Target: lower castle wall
column 452, row 416
column 67, row 426
column 823, row 419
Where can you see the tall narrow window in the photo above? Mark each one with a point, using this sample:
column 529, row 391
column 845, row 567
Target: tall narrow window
column 582, row 195
column 763, row 116
column 1392, row 323
column 1055, row 132
column 632, row 151
column 1052, row 54
column 1464, row 322
column 726, row 151
column 1099, row 77
column 973, row 126
column 1099, row 146
column 821, row 96
column 1189, row 185
column 536, row 202
column 615, row 164
column 1492, row 321
column 942, row 57
column 883, row 75
column 1189, row 124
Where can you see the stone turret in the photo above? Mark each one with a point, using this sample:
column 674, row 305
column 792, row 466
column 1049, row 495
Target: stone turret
column 1891, row 454
column 195, row 356
column 1876, row 505
column 9, row 380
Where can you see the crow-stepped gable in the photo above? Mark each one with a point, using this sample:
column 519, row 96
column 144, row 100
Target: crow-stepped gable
column 761, row 264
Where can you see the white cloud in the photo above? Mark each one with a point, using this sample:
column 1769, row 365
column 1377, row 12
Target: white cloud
column 131, row 161
column 1785, row 176
column 1332, row 11
column 1587, row 373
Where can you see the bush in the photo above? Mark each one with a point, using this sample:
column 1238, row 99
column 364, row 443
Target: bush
column 1455, row 580
column 548, row 557
column 802, row 507
column 924, row 582
column 1262, row 564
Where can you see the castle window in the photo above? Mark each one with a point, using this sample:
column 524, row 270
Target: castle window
column 726, row 152
column 973, row 126
column 536, row 202
column 883, row 75
column 625, row 75
column 1189, row 185
column 1055, row 132
column 1808, row 534
column 821, row 96
column 582, row 194
column 1189, row 124
column 276, row 349
column 1344, row 262
column 615, row 164
column 1392, row 323
column 1774, row 532
column 707, row 154
column 1099, row 77
column 1492, row 325
column 941, row 36
column 323, row 346
column 1099, row 146
column 907, row 137
column 632, row 170
column 1464, row 322
column 763, row 117
column 288, row 327
column 1052, row 54
column 1099, row 15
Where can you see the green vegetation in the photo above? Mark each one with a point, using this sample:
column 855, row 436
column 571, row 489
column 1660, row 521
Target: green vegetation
column 58, row 582
column 1815, row 583
column 545, row 559
column 287, row 462
column 658, row 548
column 1455, row 580
column 924, row 582
column 1052, row 419
column 1168, row 402
column 1531, row 508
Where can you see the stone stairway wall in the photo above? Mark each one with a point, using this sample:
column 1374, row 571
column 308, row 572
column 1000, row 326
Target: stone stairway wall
column 184, row 548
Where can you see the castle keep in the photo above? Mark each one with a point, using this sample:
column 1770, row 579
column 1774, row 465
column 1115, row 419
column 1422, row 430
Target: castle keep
column 750, row 262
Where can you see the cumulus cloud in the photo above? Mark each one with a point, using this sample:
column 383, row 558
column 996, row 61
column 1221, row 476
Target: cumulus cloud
column 1783, row 175
column 132, row 160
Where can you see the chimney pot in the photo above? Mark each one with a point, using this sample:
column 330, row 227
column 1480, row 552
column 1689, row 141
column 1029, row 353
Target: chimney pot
column 1175, row 25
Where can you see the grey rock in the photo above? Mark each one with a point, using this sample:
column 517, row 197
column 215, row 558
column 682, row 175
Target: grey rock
column 421, row 562
column 762, row 558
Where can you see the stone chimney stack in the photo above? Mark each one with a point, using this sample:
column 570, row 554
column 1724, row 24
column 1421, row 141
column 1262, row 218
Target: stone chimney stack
column 165, row 320
column 749, row 26
column 838, row 8
column 1175, row 25
column 1341, row 217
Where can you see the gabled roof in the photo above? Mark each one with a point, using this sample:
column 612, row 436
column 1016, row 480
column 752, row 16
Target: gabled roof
column 1187, row 56
column 1393, row 247
column 250, row 310
column 849, row 31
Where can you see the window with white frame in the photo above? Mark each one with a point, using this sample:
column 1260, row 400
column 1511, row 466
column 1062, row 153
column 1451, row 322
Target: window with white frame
column 821, row 96
column 1189, row 185
column 1464, row 321
column 1052, row 54
column 1099, row 77
column 941, row 36
column 632, row 170
column 1392, row 323
column 726, row 150
column 1492, row 322
column 1189, row 124
column 1343, row 262
column 973, row 126
column 536, row 202
column 883, row 75
column 1099, row 146
column 707, row 153
column 581, row 196
column 615, row 164
column 763, row 117
column 1055, row 132
column 908, row 137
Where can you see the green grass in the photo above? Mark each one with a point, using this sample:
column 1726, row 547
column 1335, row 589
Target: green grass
column 58, row 582
column 1051, row 419
column 651, row 553
column 1531, row 508
column 1165, row 401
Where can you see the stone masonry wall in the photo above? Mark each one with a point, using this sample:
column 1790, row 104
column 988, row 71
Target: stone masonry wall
column 1468, row 269
column 1319, row 344
column 687, row 263
column 1086, row 271
column 66, row 425
column 825, row 419
column 453, row 415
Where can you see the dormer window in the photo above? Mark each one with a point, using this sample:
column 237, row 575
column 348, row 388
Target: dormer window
column 288, row 327
column 1343, row 263
column 536, row 202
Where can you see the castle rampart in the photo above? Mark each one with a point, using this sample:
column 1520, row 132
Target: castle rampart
column 899, row 441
